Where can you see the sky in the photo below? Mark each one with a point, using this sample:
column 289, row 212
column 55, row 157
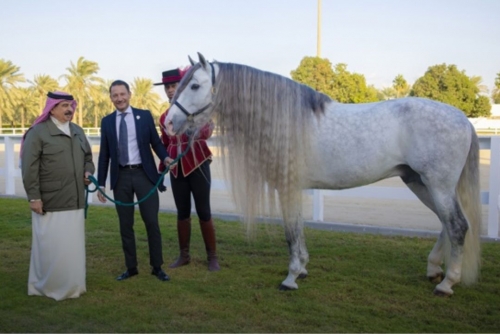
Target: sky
column 139, row 39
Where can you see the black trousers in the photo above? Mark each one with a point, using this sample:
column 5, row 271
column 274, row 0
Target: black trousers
column 198, row 184
column 130, row 182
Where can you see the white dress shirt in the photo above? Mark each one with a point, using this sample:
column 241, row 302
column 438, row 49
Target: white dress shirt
column 134, row 156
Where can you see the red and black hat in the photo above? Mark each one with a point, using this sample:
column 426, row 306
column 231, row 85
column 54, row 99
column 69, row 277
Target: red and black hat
column 168, row 77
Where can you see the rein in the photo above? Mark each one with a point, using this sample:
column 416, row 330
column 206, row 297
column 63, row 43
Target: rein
column 97, row 188
column 190, row 116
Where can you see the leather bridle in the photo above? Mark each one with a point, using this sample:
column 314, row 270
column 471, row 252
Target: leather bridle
column 190, row 116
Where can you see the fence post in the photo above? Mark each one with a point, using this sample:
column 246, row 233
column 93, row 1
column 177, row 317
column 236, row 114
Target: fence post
column 318, row 205
column 10, row 170
column 494, row 188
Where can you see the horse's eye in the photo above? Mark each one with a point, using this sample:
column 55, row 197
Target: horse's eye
column 195, row 86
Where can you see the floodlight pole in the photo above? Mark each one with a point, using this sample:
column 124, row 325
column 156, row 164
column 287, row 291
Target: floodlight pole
column 318, row 49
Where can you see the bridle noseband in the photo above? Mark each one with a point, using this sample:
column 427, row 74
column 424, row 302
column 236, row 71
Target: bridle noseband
column 190, row 116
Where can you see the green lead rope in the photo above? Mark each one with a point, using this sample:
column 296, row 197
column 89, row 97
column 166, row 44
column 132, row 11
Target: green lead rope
column 97, row 188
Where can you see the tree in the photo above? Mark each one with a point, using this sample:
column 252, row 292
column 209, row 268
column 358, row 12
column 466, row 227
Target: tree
column 144, row 97
column 495, row 95
column 351, row 87
column 80, row 81
column 24, row 104
column 482, row 107
column 164, row 106
column 101, row 103
column 336, row 82
column 387, row 93
column 400, row 86
column 372, row 94
column 9, row 78
column 42, row 84
column 449, row 85
column 478, row 82
column 314, row 72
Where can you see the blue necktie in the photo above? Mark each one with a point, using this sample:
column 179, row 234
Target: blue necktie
column 123, row 141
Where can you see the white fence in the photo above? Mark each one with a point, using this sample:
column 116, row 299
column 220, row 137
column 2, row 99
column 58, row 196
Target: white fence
column 10, row 172
column 483, row 126
column 486, row 126
column 20, row 131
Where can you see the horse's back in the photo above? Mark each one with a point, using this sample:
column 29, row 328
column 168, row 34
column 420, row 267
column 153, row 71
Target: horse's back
column 357, row 144
column 411, row 112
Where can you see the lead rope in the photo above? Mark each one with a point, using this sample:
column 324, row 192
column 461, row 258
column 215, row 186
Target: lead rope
column 97, row 188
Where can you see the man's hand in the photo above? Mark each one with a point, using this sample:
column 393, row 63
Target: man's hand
column 86, row 178
column 37, row 206
column 168, row 161
column 100, row 196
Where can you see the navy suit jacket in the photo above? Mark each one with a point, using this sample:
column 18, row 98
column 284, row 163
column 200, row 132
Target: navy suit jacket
column 147, row 139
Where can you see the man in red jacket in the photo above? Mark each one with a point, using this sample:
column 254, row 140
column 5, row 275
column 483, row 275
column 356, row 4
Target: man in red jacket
column 190, row 176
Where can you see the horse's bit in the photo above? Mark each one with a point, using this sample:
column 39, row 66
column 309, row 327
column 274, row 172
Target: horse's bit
column 190, row 116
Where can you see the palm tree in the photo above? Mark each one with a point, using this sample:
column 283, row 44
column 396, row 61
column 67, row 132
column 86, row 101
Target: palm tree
column 80, row 80
column 400, row 86
column 24, row 104
column 144, row 97
column 42, row 84
column 9, row 78
column 101, row 103
column 495, row 94
column 164, row 106
column 388, row 93
column 478, row 82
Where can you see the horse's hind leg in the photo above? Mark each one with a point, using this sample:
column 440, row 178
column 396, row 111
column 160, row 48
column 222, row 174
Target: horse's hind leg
column 435, row 260
column 456, row 227
column 436, row 256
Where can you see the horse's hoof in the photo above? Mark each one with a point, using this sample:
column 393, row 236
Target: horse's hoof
column 440, row 293
column 436, row 279
column 302, row 276
column 284, row 288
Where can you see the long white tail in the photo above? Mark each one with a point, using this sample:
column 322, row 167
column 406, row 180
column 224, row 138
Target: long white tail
column 468, row 193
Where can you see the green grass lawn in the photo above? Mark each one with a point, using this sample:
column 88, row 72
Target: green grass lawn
column 356, row 283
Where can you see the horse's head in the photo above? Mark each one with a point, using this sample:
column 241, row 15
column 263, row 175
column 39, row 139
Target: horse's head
column 192, row 103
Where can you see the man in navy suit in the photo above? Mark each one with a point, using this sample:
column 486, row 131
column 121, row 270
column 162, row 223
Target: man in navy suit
column 133, row 171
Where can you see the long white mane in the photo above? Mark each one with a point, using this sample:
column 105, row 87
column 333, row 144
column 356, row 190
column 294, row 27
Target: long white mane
column 264, row 123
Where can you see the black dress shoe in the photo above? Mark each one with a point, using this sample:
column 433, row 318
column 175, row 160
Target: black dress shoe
column 160, row 274
column 127, row 274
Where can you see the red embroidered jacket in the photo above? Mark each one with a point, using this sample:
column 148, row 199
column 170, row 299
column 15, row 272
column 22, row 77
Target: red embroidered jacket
column 175, row 145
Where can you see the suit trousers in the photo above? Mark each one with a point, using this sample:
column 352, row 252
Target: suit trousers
column 130, row 182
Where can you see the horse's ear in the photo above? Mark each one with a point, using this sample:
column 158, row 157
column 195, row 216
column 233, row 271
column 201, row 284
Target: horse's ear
column 202, row 60
column 191, row 60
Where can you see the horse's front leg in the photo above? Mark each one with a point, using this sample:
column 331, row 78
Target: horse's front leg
column 303, row 254
column 299, row 257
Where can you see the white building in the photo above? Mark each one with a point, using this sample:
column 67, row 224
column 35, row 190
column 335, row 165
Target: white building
column 495, row 110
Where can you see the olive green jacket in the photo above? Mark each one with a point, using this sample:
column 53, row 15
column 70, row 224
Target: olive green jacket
column 54, row 165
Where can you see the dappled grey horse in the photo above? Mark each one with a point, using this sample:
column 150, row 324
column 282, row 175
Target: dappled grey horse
column 278, row 137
